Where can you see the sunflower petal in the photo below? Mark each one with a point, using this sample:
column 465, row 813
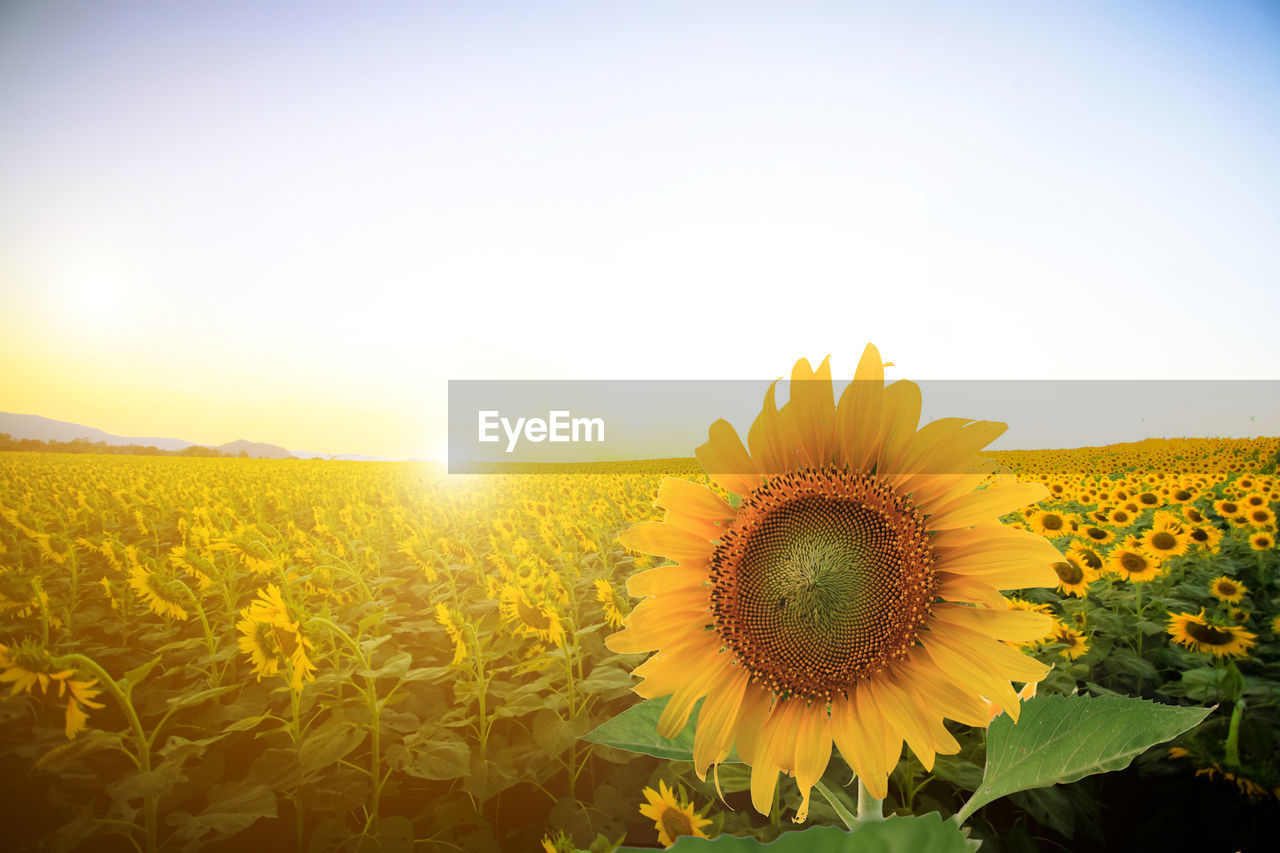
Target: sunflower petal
column 726, row 461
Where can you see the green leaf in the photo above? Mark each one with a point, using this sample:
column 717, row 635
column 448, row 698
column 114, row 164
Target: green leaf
column 1060, row 739
column 60, row 756
column 191, row 699
column 606, row 678
column 332, row 741
column 918, row 834
column 432, row 759
column 135, row 675
column 232, row 808
column 397, row 666
column 636, row 730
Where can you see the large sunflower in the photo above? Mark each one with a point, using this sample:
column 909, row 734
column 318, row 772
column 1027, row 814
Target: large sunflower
column 849, row 593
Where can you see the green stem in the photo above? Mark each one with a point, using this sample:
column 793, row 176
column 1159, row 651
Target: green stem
column 869, row 807
column 568, row 671
column 375, row 756
column 149, row 802
column 1139, row 612
column 298, row 815
column 845, row 815
column 1233, row 735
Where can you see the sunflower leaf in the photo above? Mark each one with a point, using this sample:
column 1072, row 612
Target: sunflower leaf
column 1061, row 739
column 636, row 730
column 915, row 834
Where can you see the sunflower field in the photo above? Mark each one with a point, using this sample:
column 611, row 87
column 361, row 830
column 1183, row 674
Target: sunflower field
column 315, row 655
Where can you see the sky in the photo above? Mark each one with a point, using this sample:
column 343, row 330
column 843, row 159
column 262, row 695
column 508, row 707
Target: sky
column 294, row 223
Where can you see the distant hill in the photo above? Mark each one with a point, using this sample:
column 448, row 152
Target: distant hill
column 47, row 429
column 256, row 449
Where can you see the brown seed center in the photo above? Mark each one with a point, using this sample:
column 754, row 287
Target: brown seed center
column 824, row 578
column 1208, row 634
column 676, row 823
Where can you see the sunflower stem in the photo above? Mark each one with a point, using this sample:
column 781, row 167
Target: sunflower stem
column 845, row 815
column 150, row 815
column 869, row 807
column 1139, row 614
column 1233, row 735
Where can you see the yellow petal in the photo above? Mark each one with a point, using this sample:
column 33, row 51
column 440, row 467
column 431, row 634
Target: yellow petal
column 718, row 719
column 693, row 500
column 902, row 404
column 768, row 440
column 666, row 579
column 986, row 505
column 654, row 537
column 811, row 413
column 726, row 461
column 859, row 414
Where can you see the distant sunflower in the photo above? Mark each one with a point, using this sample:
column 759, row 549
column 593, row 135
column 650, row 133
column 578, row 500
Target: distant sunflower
column 1227, row 508
column 529, row 618
column 1097, row 535
column 29, row 668
column 1088, row 558
column 1262, row 541
column 1131, row 562
column 1121, row 517
column 1075, row 642
column 1205, row 538
column 272, row 636
column 1228, row 589
column 1164, row 541
column 1048, row 523
column 1073, row 579
column 454, row 626
column 608, row 597
column 1200, row 635
column 1192, row 514
column 1260, row 516
column 850, row 595
column 159, row 591
column 671, row 817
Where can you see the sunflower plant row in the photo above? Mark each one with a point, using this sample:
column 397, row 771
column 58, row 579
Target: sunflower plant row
column 320, row 655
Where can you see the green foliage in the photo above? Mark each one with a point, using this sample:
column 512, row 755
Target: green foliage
column 1061, row 739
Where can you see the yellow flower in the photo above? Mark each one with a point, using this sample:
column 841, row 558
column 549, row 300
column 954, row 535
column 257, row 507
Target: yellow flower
column 1048, row 523
column 454, row 626
column 671, row 818
column 1228, row 589
column 272, row 638
column 1072, row 578
column 1075, row 641
column 29, row 666
column 1166, row 540
column 1131, row 562
column 851, row 595
column 530, row 619
column 1200, row 635
column 609, row 602
column 160, row 593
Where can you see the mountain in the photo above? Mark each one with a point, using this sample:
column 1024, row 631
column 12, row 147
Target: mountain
column 47, row 429
column 256, row 449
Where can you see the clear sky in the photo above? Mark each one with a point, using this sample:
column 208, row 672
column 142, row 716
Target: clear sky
column 294, row 223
